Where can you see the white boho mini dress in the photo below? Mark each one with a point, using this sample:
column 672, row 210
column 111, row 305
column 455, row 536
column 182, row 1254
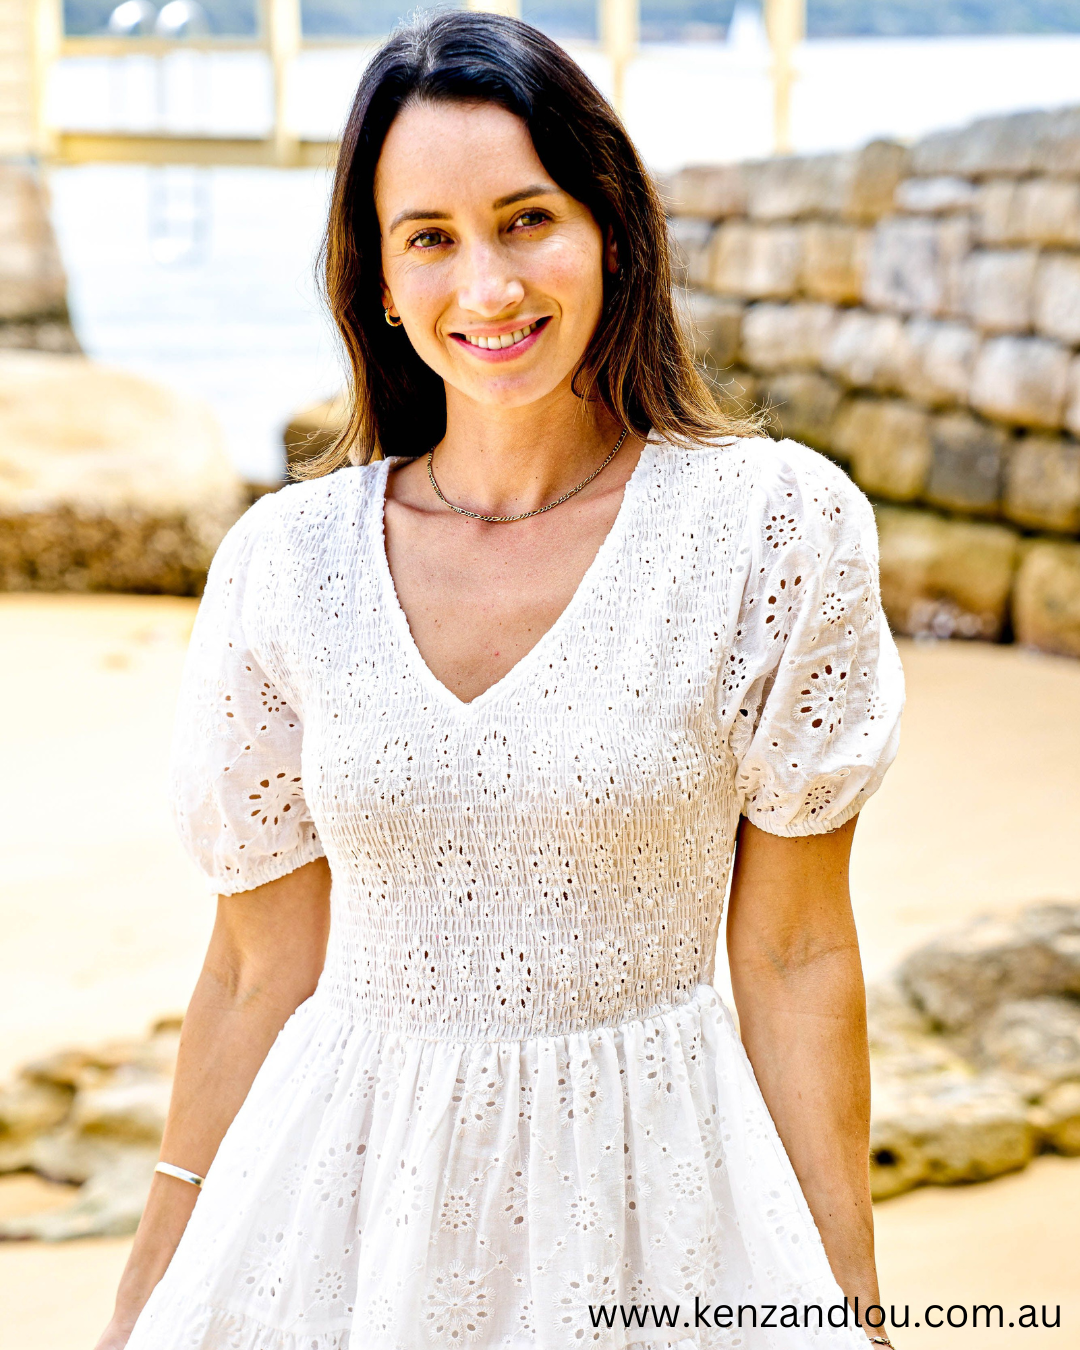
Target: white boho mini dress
column 515, row 1113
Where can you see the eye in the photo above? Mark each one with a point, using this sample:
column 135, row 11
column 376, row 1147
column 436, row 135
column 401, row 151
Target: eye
column 529, row 219
column 425, row 239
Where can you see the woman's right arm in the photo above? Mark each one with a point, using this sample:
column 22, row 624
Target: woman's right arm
column 264, row 959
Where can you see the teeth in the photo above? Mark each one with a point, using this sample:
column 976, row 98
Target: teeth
column 496, row 343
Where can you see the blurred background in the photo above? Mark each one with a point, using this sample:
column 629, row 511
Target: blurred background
column 874, row 209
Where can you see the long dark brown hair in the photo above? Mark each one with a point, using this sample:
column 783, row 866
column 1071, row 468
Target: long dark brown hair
column 638, row 363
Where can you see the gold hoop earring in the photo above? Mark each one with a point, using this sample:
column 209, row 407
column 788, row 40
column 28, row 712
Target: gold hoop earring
column 394, row 320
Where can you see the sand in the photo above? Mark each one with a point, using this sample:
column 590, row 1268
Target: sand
column 103, row 920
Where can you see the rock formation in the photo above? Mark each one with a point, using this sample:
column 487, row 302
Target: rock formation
column 107, row 482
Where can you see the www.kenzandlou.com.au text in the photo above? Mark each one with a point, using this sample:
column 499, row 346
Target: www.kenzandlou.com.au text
column 813, row 1315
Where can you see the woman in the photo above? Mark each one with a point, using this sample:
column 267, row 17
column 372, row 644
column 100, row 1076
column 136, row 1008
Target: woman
column 463, row 745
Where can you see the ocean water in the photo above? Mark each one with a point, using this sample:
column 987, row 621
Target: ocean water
column 204, row 278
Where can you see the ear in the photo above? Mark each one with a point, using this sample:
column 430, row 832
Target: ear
column 611, row 252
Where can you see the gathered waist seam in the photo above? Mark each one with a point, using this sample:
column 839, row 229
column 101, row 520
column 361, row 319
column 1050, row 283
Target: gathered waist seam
column 332, row 1000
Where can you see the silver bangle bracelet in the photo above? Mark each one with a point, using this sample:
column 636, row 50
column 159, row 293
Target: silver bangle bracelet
column 181, row 1173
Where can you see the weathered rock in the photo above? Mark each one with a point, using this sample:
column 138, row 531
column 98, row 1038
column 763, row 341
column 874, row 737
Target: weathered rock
column 756, row 262
column 131, row 1109
column 46, row 335
column 708, row 191
column 968, row 459
column 783, row 337
column 1057, row 297
column 888, row 445
column 875, row 172
column 1034, row 1040
column 793, row 187
column 1058, row 148
column 1042, row 483
column 996, row 214
column 998, row 289
column 967, row 973
column 1046, row 603
column 856, row 186
column 1057, row 1119
column 803, row 405
column 714, row 325
column 935, row 196
column 28, row 1109
column 1043, row 211
column 688, row 239
column 1022, row 380
column 945, row 1129
column 1007, row 145
column 914, row 265
column 870, row 351
column 107, row 482
column 1072, row 398
column 834, row 262
column 110, row 1204
column 945, row 578
column 935, row 1118
column 943, row 355
column 32, row 281
column 1014, row 145
column 95, row 1119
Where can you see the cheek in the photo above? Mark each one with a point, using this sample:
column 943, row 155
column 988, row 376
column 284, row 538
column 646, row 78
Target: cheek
column 418, row 290
column 571, row 271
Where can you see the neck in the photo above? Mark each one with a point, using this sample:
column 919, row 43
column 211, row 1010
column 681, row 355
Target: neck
column 505, row 461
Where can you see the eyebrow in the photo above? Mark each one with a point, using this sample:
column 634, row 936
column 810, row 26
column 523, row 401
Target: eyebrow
column 533, row 190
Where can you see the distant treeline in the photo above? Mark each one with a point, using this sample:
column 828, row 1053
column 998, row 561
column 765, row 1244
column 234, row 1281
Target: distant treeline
column 661, row 19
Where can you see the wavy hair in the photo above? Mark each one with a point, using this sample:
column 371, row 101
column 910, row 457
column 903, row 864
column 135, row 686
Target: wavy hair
column 638, row 363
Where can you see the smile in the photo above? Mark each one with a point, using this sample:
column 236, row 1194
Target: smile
column 503, row 340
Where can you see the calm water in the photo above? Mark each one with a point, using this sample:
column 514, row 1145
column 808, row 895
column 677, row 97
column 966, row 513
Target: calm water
column 204, row 278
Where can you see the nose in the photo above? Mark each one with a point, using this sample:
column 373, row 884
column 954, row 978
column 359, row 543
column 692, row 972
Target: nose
column 488, row 285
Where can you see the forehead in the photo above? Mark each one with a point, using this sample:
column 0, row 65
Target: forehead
column 439, row 154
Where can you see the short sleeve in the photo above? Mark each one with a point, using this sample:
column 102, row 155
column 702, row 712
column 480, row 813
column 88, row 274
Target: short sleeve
column 235, row 776
column 814, row 687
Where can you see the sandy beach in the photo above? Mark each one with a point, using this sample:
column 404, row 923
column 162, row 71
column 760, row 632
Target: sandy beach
column 103, row 920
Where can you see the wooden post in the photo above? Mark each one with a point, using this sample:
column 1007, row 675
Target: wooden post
column 785, row 23
column 282, row 31
column 619, row 30
column 42, row 24
column 511, row 9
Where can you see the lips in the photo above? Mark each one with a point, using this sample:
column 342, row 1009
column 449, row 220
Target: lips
column 503, row 341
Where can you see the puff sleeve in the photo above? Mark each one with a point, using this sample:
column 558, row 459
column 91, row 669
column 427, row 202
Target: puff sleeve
column 235, row 775
column 814, row 687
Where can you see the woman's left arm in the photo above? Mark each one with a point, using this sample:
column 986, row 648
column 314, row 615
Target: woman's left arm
column 798, row 985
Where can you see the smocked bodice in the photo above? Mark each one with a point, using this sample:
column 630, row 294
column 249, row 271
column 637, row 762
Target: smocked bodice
column 553, row 856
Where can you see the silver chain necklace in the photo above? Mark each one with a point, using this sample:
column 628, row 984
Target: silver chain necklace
column 505, row 520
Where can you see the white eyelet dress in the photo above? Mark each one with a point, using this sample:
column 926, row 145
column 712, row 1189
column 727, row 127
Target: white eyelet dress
column 515, row 1113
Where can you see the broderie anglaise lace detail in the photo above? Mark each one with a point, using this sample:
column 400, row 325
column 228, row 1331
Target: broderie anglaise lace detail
column 515, row 1096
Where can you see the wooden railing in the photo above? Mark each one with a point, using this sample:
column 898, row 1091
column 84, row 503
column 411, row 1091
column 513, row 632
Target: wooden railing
column 281, row 37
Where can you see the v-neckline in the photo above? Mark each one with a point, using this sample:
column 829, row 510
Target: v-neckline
column 399, row 621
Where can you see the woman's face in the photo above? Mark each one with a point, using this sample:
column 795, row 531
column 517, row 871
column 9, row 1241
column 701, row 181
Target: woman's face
column 496, row 272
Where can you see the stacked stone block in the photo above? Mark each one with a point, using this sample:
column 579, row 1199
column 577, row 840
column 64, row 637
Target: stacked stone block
column 914, row 312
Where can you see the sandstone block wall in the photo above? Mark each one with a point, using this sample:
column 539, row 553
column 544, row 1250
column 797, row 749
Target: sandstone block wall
column 914, row 312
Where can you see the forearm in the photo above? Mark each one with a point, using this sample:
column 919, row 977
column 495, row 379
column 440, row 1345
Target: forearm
column 804, row 1028
column 226, row 1035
